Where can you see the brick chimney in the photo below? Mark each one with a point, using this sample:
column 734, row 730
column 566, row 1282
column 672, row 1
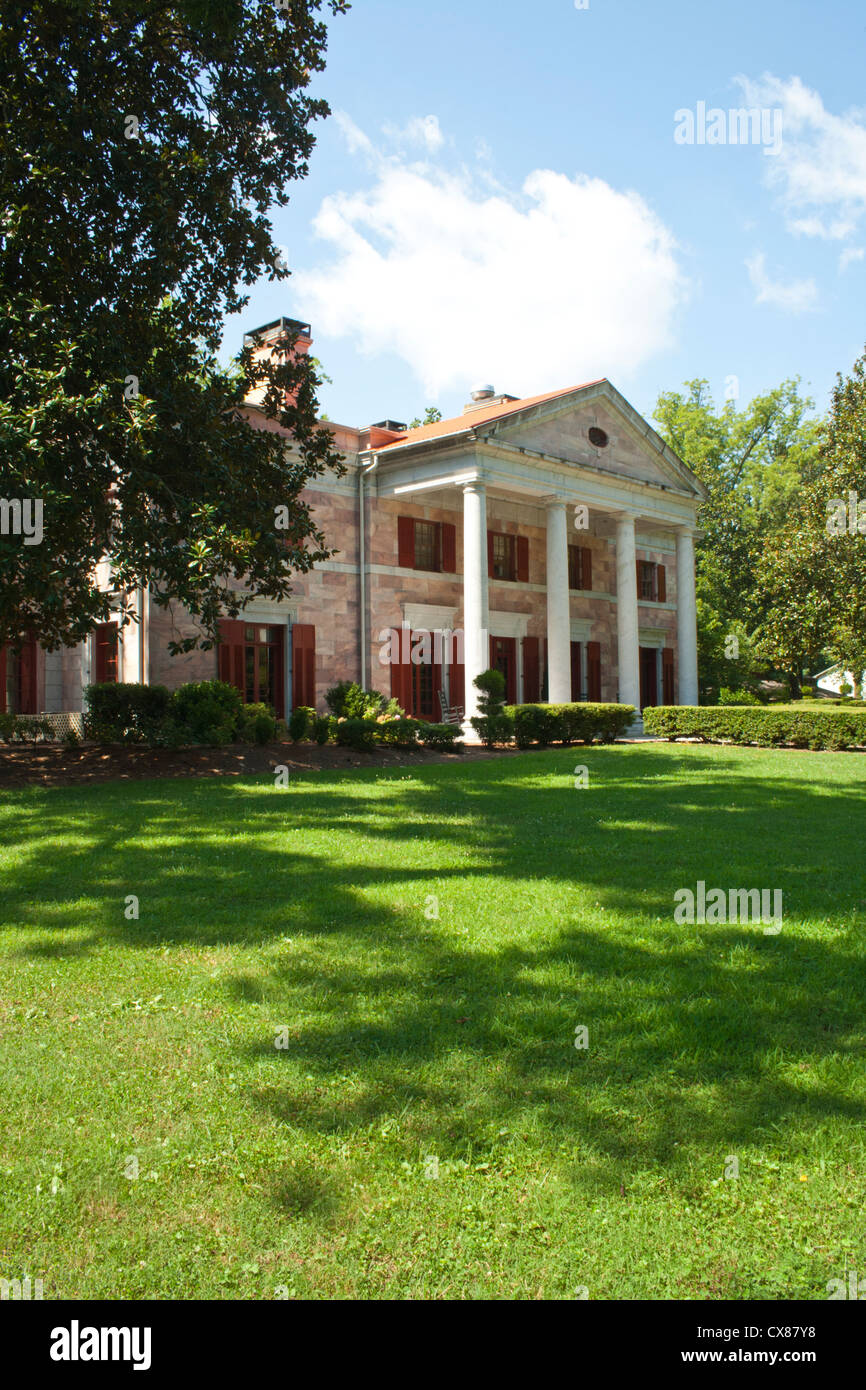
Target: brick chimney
column 275, row 340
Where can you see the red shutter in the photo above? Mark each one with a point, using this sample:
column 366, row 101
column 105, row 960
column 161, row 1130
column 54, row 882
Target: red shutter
column 457, row 683
column 230, row 653
column 637, row 572
column 545, row 676
column 3, row 708
column 662, row 585
column 401, row 671
column 303, row 665
column 490, row 554
column 406, row 542
column 586, row 567
column 575, row 671
column 28, row 660
column 593, row 671
column 449, row 548
column 668, row 676
column 531, row 683
column 523, row 559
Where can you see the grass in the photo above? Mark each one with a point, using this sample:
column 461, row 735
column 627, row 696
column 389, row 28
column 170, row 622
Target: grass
column 429, row 1128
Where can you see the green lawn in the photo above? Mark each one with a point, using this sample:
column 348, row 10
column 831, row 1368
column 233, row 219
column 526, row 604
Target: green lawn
column 430, row 1129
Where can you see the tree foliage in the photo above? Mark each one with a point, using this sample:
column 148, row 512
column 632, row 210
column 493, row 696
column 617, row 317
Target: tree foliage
column 140, row 153
column 813, row 571
column 754, row 463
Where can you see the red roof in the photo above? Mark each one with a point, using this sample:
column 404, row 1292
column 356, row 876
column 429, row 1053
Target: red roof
column 481, row 416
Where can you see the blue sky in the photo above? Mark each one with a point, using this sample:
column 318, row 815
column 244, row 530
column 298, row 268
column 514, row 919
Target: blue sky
column 499, row 197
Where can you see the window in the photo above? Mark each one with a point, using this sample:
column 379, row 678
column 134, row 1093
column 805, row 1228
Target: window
column 579, row 567
column 651, row 586
column 647, row 580
column 597, row 437
column 504, row 556
column 428, row 546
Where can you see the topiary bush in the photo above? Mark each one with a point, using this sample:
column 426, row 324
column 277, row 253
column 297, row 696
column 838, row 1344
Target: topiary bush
column 492, row 724
column 207, row 711
column 767, row 727
column 119, row 712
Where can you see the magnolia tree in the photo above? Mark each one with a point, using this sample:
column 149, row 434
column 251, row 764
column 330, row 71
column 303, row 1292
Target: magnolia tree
column 142, row 150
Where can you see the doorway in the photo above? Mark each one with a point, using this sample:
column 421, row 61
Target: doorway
column 649, row 678
column 503, row 657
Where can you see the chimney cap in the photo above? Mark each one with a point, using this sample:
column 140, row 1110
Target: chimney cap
column 296, row 327
column 393, row 426
column 482, row 392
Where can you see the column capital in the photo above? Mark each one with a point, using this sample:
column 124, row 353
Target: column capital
column 477, row 485
column 554, row 499
column 625, row 518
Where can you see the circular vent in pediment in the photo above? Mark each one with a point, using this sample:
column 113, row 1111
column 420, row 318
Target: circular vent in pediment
column 597, row 437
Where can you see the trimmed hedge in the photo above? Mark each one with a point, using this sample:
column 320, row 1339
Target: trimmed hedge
column 125, row 713
column 366, row 735
column 566, row 724
column 769, row 727
column 442, row 738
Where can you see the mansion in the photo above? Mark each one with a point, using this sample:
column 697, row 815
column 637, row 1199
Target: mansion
column 554, row 534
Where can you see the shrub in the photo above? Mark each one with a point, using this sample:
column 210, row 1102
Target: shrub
column 257, row 724
column 359, row 734
column 125, row 713
column 347, row 700
column 207, row 711
column 442, row 738
column 573, row 723
column 534, row 724
column 322, row 728
column 301, row 722
column 767, row 727
column 397, row 733
column 492, row 724
column 25, row 728
column 737, row 697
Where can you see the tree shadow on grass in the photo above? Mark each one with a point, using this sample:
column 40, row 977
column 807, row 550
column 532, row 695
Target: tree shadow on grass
column 704, row 1036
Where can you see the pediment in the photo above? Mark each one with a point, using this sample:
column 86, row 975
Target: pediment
column 561, row 429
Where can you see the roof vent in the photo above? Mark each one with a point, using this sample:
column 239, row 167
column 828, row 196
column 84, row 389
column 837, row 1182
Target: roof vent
column 482, row 393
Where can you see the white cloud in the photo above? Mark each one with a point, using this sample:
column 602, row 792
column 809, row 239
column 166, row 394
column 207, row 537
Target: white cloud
column 562, row 281
column 795, row 298
column 421, row 130
column 849, row 256
column 821, row 168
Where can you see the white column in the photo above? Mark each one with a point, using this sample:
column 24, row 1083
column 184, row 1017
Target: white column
column 626, row 612
column 687, row 627
column 558, row 609
column 476, row 650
